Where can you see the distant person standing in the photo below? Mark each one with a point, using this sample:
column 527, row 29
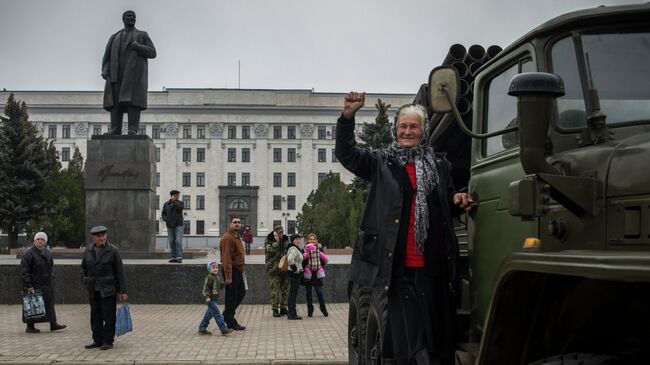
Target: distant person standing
column 103, row 275
column 124, row 67
column 233, row 262
column 172, row 214
column 36, row 269
column 247, row 237
column 314, row 273
column 274, row 248
column 295, row 258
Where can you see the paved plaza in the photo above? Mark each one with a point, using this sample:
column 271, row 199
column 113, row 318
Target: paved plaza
column 167, row 334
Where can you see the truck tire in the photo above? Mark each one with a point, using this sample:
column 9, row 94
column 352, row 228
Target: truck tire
column 577, row 358
column 357, row 318
column 375, row 329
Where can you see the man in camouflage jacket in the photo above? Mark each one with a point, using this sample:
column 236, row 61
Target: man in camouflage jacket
column 274, row 248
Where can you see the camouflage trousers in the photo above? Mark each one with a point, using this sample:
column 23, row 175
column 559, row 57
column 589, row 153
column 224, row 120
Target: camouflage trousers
column 279, row 291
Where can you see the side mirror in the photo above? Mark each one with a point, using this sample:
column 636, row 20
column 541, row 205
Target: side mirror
column 444, row 87
column 439, row 78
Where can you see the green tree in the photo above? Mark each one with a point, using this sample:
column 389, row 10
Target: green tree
column 326, row 213
column 378, row 135
column 26, row 163
column 65, row 197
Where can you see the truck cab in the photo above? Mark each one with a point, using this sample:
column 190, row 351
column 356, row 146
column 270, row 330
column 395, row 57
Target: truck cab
column 558, row 245
column 574, row 179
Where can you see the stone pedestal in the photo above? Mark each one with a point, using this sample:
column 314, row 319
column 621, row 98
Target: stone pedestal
column 120, row 185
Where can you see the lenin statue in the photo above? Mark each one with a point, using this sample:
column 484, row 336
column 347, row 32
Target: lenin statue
column 124, row 67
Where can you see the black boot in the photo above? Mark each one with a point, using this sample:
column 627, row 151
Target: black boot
column 55, row 326
column 284, row 311
column 31, row 329
column 323, row 310
column 310, row 310
column 293, row 316
column 276, row 313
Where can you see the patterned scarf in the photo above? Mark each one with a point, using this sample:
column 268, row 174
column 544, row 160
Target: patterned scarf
column 427, row 179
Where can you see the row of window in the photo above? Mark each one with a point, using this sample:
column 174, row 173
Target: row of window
column 200, row 202
column 98, row 129
column 200, row 227
column 187, row 201
column 199, row 230
column 186, row 179
column 232, row 155
column 246, row 155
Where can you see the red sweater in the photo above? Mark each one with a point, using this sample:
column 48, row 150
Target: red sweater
column 413, row 258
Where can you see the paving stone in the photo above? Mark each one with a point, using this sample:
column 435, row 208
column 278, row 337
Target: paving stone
column 167, row 334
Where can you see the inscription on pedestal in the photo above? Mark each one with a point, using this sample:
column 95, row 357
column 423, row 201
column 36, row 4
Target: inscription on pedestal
column 120, row 190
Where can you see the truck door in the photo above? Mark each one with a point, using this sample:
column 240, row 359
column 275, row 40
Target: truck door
column 493, row 232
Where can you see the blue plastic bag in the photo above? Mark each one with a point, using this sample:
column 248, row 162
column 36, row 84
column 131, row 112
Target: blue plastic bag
column 33, row 305
column 123, row 323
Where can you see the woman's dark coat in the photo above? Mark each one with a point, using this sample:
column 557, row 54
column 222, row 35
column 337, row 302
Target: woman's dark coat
column 373, row 255
column 103, row 272
column 36, row 268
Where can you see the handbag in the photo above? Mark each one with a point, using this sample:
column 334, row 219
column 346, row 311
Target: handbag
column 123, row 323
column 33, row 305
column 283, row 265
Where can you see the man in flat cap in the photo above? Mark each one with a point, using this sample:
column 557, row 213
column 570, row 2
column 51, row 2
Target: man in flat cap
column 103, row 276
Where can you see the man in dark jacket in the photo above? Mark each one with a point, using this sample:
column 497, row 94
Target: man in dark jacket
column 124, row 67
column 36, row 269
column 103, row 276
column 172, row 214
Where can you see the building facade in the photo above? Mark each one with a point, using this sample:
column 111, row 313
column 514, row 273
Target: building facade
column 256, row 154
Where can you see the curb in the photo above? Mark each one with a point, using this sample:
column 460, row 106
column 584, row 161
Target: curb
column 181, row 362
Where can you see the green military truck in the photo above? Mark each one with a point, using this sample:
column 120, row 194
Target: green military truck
column 557, row 152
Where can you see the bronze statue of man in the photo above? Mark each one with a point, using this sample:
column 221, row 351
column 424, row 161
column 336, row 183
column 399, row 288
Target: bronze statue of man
column 124, row 67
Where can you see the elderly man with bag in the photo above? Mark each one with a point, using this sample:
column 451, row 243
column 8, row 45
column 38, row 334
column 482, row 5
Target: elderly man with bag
column 103, row 276
column 36, row 267
column 274, row 248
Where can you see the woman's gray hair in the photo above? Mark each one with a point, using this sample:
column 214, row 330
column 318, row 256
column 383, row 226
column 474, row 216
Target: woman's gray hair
column 412, row 110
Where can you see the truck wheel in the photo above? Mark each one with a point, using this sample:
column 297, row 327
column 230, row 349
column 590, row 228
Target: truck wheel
column 357, row 318
column 377, row 317
column 577, row 358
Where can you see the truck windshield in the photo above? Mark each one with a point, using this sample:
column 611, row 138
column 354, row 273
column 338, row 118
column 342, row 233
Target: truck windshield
column 620, row 71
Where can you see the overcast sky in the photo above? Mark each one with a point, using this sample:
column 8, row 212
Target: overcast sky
column 330, row 46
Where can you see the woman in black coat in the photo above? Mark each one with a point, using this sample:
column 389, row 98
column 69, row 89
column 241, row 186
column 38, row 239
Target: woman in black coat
column 406, row 249
column 36, row 271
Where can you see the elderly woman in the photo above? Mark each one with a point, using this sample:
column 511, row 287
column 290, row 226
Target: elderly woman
column 36, row 269
column 406, row 249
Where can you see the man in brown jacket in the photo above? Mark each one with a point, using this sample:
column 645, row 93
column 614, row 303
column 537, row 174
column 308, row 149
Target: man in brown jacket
column 232, row 260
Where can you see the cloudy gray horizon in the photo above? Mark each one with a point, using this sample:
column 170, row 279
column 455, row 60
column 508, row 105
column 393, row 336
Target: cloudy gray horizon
column 377, row 46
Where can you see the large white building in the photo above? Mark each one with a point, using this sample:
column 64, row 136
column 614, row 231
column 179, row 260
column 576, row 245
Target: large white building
column 254, row 153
